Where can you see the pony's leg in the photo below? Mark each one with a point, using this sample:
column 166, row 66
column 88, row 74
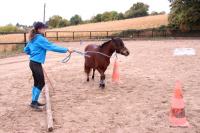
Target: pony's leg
column 93, row 73
column 87, row 71
column 102, row 79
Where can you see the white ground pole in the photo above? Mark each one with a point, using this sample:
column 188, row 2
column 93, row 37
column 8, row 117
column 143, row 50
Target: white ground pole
column 184, row 52
column 48, row 107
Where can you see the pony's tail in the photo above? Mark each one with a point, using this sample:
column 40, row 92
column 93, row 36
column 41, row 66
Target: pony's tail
column 32, row 34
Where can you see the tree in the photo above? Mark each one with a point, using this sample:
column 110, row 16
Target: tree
column 54, row 21
column 163, row 12
column 184, row 14
column 97, row 18
column 87, row 22
column 9, row 28
column 154, row 13
column 57, row 21
column 121, row 16
column 137, row 10
column 157, row 13
column 107, row 16
column 64, row 23
column 75, row 20
column 17, row 25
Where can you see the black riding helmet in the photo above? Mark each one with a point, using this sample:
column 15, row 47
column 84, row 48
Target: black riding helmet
column 39, row 25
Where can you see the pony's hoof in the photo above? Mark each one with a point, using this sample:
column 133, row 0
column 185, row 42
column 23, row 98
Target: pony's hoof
column 88, row 80
column 102, row 86
column 92, row 78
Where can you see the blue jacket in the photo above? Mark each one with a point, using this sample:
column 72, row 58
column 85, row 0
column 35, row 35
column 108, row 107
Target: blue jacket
column 37, row 48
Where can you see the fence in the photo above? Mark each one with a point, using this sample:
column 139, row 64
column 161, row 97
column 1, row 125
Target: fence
column 13, row 38
column 21, row 37
column 12, row 43
column 127, row 34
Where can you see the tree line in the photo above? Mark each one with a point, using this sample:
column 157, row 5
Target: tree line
column 184, row 15
column 136, row 10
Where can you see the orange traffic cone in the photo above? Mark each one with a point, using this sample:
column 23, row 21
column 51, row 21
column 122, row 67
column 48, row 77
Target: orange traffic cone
column 177, row 113
column 115, row 75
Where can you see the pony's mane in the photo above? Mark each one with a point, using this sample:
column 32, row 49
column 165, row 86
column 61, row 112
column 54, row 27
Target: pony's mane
column 102, row 45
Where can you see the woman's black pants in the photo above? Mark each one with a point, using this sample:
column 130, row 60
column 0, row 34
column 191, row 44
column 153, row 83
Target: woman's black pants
column 38, row 74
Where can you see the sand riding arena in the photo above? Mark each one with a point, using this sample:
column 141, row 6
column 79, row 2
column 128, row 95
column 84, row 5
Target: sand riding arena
column 139, row 103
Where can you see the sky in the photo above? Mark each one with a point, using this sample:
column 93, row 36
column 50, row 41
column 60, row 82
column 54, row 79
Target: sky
column 28, row 11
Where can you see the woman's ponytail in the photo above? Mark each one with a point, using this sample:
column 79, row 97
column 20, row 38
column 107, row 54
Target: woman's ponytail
column 32, row 34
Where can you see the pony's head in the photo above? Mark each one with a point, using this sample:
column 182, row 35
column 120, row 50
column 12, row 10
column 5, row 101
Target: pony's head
column 120, row 47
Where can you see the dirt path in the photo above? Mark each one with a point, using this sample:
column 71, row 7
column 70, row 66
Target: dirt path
column 139, row 104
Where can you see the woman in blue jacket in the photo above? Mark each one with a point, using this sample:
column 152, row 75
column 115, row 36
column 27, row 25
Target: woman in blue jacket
column 36, row 49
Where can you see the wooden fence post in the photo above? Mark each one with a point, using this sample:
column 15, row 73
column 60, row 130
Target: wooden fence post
column 165, row 33
column 45, row 34
column 138, row 34
column 90, row 34
column 73, row 35
column 25, row 38
column 57, row 36
column 132, row 34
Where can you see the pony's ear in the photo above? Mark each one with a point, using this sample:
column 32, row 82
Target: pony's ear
column 112, row 38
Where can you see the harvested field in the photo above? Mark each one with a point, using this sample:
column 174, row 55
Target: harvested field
column 135, row 23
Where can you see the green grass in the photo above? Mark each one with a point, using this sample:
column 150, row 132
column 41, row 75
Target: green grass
column 18, row 50
column 9, row 28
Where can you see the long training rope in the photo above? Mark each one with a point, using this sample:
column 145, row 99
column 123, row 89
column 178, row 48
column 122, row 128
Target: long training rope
column 48, row 79
column 67, row 58
column 97, row 53
column 46, row 76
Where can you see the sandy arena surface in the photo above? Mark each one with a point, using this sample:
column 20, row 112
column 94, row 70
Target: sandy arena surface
column 140, row 103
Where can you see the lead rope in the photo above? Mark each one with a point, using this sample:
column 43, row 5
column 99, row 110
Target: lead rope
column 67, row 58
column 49, row 80
column 98, row 53
column 116, row 55
column 45, row 74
